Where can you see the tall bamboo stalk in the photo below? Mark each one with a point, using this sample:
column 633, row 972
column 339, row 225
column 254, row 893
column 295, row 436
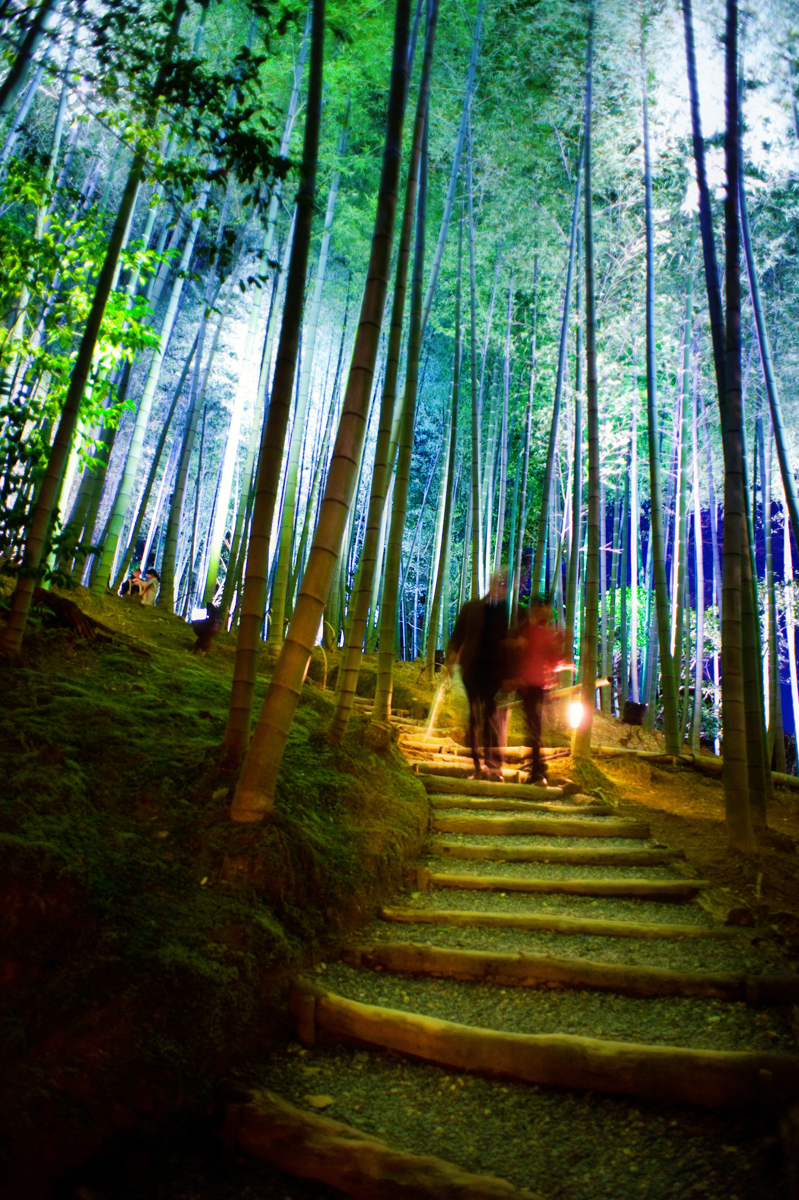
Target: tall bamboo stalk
column 614, row 589
column 528, row 422
column 157, row 452
column 667, row 679
column 255, row 793
column 476, row 441
column 713, row 286
column 549, row 465
column 391, row 584
column 681, row 491
column 376, row 523
column 790, row 621
column 581, row 741
column 456, row 162
column 199, row 384
column 443, row 564
column 390, row 595
column 286, row 522
column 699, row 575
column 267, row 486
column 504, row 437
column 635, row 531
column 624, row 672
column 775, row 409
column 11, row 88
column 736, row 776
column 136, row 446
column 573, row 572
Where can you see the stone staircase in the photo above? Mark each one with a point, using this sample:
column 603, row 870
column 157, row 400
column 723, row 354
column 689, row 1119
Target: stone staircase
column 512, row 871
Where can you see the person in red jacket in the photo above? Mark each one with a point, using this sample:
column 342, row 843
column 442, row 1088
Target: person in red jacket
column 536, row 650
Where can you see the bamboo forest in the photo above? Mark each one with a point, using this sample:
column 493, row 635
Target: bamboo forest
column 399, row 441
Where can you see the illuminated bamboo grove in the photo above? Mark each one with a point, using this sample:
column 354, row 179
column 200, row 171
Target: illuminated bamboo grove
column 327, row 315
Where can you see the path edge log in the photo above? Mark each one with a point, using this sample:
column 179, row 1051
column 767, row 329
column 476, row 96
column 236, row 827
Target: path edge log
column 361, row 1165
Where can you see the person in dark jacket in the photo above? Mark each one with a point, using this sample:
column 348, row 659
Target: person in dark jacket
column 477, row 646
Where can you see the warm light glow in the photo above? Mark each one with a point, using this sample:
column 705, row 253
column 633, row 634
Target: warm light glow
column 575, row 713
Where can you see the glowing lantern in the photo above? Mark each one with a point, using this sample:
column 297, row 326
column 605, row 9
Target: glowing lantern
column 575, row 713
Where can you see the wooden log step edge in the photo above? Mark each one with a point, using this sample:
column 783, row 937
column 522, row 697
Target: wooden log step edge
column 358, row 1164
column 461, row 771
column 658, row 889
column 576, row 855
column 712, row 1078
column 545, row 970
column 440, row 744
column 551, row 826
column 444, row 785
column 555, row 924
column 496, row 804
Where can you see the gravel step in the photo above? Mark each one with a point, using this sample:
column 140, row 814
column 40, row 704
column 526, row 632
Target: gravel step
column 531, row 841
column 699, row 1023
column 677, row 1071
column 556, row 923
column 540, row 826
column 538, row 867
column 546, row 970
column 500, row 804
column 653, row 888
column 617, row 908
column 690, row 954
column 590, row 856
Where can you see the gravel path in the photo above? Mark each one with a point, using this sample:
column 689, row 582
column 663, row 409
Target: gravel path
column 566, row 1146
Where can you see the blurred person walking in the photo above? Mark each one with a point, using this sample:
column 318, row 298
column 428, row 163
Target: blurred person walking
column 476, row 645
column 535, row 650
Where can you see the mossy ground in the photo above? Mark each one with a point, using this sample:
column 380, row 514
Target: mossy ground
column 150, row 939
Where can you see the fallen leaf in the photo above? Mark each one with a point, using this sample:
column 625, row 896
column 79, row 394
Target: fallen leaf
column 320, row 1101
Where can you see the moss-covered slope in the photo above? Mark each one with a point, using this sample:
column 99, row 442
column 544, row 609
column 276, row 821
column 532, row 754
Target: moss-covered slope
column 146, row 939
